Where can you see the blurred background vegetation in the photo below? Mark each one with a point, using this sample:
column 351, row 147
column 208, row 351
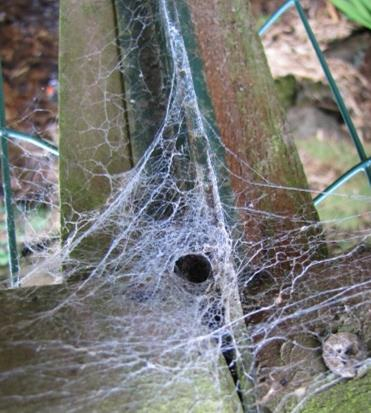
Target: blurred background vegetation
column 313, row 120
column 357, row 10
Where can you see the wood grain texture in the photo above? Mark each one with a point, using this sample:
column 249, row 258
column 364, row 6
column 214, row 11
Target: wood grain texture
column 91, row 349
column 94, row 142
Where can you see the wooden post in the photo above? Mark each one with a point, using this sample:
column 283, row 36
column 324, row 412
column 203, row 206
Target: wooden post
column 228, row 59
column 236, row 91
column 42, row 334
column 94, row 142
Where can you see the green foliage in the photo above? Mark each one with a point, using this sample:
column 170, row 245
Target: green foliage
column 357, row 10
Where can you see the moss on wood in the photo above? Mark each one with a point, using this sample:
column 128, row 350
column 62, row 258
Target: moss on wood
column 346, row 397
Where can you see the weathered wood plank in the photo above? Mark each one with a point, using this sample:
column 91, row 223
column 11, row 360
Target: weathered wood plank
column 92, row 349
column 94, row 142
column 228, row 57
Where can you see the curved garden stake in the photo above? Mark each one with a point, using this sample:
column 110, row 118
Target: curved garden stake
column 360, row 167
column 365, row 161
column 34, row 139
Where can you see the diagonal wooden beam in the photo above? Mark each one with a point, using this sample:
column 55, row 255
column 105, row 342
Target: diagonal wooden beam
column 229, row 64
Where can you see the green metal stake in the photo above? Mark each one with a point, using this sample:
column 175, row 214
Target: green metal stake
column 10, row 225
column 333, row 86
column 335, row 90
column 35, row 140
column 361, row 167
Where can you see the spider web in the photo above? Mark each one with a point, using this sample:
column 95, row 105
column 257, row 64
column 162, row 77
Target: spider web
column 174, row 311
